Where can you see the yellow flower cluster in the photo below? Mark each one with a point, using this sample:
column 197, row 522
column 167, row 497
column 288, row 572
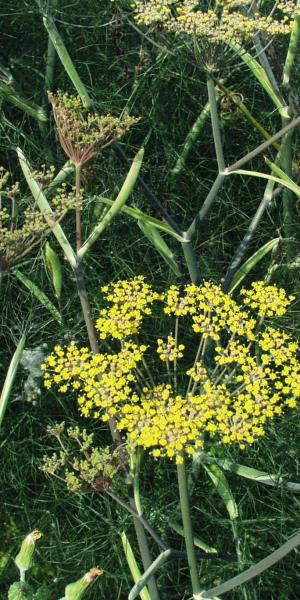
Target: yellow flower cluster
column 103, row 381
column 169, row 350
column 130, row 301
column 248, row 377
column 266, row 300
column 218, row 20
column 211, row 310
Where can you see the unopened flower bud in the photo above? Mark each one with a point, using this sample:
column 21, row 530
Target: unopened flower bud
column 23, row 560
column 76, row 590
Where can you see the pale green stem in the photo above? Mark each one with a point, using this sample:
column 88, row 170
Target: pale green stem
column 51, row 54
column 194, row 365
column 262, row 147
column 22, row 575
column 292, row 51
column 206, row 206
column 78, row 206
column 215, row 124
column 190, row 259
column 176, row 346
column 187, row 526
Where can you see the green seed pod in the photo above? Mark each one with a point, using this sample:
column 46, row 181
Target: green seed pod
column 54, row 268
column 24, row 559
column 76, row 590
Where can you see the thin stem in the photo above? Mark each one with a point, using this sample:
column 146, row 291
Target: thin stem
column 264, row 146
column 187, row 526
column 78, row 207
column 22, row 575
column 206, row 206
column 194, row 365
column 175, row 360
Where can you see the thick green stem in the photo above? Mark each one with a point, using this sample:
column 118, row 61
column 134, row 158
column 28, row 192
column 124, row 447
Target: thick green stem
column 191, row 261
column 215, row 124
column 78, row 206
column 51, row 54
column 292, row 51
column 187, row 526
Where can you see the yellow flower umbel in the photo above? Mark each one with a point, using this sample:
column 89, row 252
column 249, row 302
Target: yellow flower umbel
column 236, row 372
column 130, row 301
column 218, row 20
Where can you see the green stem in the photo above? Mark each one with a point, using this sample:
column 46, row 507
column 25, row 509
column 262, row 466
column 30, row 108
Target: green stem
column 51, row 54
column 187, row 526
column 78, row 206
column 190, row 259
column 292, row 51
column 206, row 206
column 264, row 146
column 215, row 124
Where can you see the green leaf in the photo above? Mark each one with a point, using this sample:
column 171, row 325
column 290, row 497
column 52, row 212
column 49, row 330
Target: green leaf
column 222, row 487
column 286, row 181
column 39, row 294
column 9, row 379
column 139, row 215
column 153, row 235
column 133, row 566
column 253, row 571
column 197, row 541
column 260, row 74
column 271, row 479
column 243, row 271
column 8, row 93
column 20, row 591
column 118, row 203
column 283, row 176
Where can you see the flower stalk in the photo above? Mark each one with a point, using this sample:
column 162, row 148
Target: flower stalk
column 187, row 526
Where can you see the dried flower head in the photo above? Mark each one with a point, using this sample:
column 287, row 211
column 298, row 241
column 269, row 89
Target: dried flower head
column 82, row 133
column 81, row 465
